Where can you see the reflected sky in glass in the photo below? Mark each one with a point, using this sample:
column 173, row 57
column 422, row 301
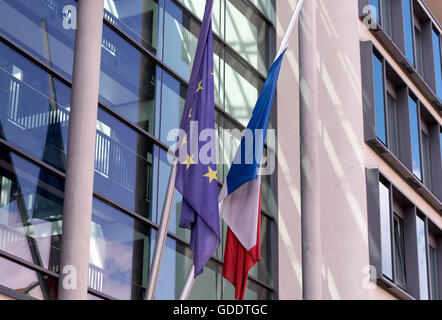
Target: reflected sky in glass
column 378, row 81
column 415, row 144
column 384, row 206
column 422, row 258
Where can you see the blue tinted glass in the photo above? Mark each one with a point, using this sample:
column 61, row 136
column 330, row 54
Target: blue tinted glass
column 437, row 64
column 33, row 108
column 422, row 258
column 408, row 30
column 38, row 27
column 378, row 80
column 385, row 217
column 140, row 19
column 31, row 208
column 415, row 145
column 127, row 80
column 120, row 252
column 177, row 260
column 173, row 95
column 124, row 164
column 375, row 3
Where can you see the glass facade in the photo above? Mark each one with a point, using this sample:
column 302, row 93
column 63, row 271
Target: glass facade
column 408, row 30
column 415, row 142
column 379, row 94
column 147, row 53
column 422, row 257
column 385, row 214
column 437, row 62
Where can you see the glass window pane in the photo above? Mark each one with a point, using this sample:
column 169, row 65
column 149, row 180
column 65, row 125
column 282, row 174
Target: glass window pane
column 392, row 125
column 377, row 12
column 197, row 7
column 242, row 88
column 181, row 33
column 384, row 206
column 419, row 52
column 386, row 17
column 263, row 269
column 408, row 30
column 434, row 274
column 27, row 281
column 247, row 33
column 422, row 258
column 415, row 145
column 437, row 63
column 378, row 80
column 426, row 160
column 120, row 252
column 140, row 19
column 399, row 250
column 177, row 260
column 38, row 27
column 31, row 208
column 267, row 7
column 34, row 108
column 127, row 81
column 124, row 162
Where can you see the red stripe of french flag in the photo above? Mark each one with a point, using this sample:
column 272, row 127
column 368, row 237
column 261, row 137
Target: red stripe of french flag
column 238, row 260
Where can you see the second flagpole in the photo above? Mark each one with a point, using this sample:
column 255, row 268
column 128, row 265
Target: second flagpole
column 284, row 43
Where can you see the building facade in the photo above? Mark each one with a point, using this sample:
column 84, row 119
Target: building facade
column 380, row 190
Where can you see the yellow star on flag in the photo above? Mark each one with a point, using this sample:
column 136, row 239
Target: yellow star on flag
column 184, row 140
column 212, row 175
column 200, row 87
column 190, row 113
column 189, row 161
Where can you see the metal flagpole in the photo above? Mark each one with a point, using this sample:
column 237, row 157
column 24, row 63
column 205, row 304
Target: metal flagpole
column 284, row 44
column 162, row 234
column 189, row 284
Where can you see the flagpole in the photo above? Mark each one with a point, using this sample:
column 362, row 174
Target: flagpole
column 189, row 284
column 284, row 44
column 162, row 234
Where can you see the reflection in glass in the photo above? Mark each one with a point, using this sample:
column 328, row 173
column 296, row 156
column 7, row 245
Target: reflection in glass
column 393, row 144
column 242, row 87
column 34, row 108
column 177, row 260
column 120, row 252
column 426, row 173
column 415, row 145
column 408, row 30
column 31, row 208
column 173, row 96
column 37, row 26
column 422, row 258
column 419, row 51
column 378, row 81
column 217, row 13
column 138, row 18
column 124, row 162
column 127, row 81
column 384, row 206
column 434, row 274
column 437, row 63
column 386, row 17
column 247, row 33
column 399, row 250
column 376, row 14
column 262, row 270
column 27, row 281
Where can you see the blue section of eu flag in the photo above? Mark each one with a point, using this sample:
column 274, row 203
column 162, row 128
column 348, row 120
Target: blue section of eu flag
column 197, row 178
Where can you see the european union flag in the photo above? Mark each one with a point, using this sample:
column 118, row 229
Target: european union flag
column 196, row 179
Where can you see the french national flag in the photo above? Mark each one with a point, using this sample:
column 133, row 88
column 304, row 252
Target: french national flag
column 240, row 197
